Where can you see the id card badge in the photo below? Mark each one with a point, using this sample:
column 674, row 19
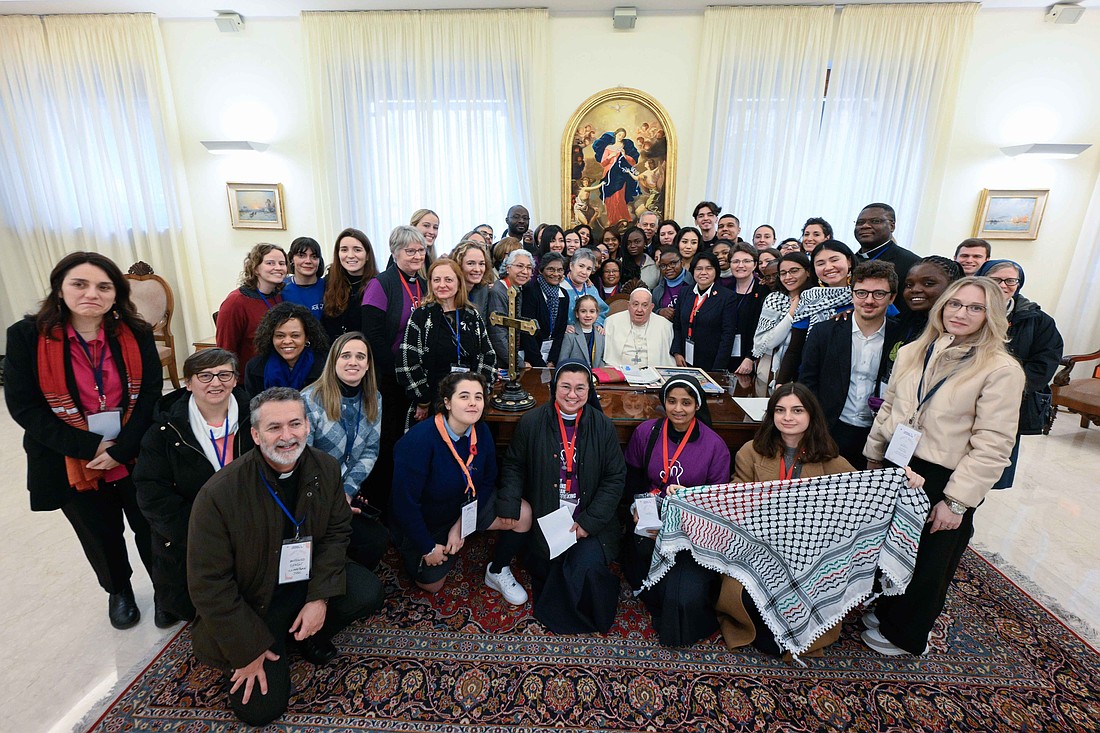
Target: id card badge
column 689, row 351
column 107, row 423
column 544, row 349
column 648, row 516
column 295, row 560
column 459, row 370
column 903, row 445
column 469, row 518
column 736, row 350
column 563, row 502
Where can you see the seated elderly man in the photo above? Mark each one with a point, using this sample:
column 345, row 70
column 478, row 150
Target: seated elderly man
column 267, row 559
column 636, row 337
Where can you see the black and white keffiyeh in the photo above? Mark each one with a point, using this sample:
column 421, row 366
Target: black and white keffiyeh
column 807, row 550
column 816, row 304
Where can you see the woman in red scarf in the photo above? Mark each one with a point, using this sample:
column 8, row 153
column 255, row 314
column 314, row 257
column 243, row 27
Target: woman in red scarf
column 83, row 376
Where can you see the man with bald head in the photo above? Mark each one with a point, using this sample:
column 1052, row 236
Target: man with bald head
column 647, row 222
column 636, row 337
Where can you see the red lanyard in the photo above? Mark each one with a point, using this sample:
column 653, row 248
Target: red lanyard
column 507, row 285
column 464, row 466
column 679, row 449
column 785, row 472
column 568, row 447
column 409, row 292
column 699, row 300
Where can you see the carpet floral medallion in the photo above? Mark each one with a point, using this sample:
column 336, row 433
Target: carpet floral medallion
column 467, row 661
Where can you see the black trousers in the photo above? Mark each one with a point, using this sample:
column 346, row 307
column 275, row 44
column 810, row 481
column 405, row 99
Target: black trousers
column 97, row 518
column 851, row 439
column 363, row 597
column 907, row 619
column 395, row 405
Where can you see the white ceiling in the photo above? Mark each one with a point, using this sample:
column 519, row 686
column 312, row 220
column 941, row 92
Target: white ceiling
column 291, row 8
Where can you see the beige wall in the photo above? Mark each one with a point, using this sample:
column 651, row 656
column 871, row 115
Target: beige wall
column 1026, row 81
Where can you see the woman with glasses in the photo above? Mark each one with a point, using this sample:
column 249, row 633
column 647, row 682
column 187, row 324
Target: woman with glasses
column 240, row 313
column 1033, row 338
column 545, row 300
column 775, row 332
column 443, row 335
column 766, row 267
column 388, row 302
column 196, row 431
column 790, row 246
column 704, row 324
column 747, row 298
column 955, row 391
column 517, row 271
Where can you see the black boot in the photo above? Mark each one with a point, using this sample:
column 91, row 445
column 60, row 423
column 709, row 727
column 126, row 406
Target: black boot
column 122, row 610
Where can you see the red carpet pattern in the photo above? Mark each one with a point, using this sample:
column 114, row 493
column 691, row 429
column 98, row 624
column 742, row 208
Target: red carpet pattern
column 466, row 661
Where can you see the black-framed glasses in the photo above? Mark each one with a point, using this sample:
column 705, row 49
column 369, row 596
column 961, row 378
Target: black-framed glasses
column 973, row 309
column 208, row 377
column 1009, row 281
column 873, row 222
column 666, row 265
column 878, row 295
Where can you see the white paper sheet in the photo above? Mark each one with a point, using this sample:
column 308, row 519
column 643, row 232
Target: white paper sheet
column 754, row 407
column 555, row 528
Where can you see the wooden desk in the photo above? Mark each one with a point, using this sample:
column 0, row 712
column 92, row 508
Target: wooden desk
column 628, row 407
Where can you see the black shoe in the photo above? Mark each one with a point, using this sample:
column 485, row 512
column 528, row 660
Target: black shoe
column 165, row 619
column 317, row 651
column 122, row 610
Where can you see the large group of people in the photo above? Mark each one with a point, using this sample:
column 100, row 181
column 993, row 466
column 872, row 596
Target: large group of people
column 343, row 411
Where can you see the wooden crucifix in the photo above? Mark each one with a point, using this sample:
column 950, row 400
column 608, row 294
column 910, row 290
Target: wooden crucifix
column 513, row 398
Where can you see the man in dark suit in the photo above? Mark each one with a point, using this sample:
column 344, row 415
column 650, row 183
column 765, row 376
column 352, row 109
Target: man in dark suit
column 846, row 362
column 874, row 231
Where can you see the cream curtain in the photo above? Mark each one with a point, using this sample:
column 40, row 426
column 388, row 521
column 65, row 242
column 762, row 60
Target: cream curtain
column 429, row 110
column 91, row 158
column 764, row 71
column 1078, row 312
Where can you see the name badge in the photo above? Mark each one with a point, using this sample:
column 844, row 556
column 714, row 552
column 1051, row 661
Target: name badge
column 572, row 505
column 689, row 351
column 736, row 350
column 903, row 445
column 648, row 518
column 295, row 560
column 544, row 349
column 459, row 370
column 469, row 518
column 107, row 423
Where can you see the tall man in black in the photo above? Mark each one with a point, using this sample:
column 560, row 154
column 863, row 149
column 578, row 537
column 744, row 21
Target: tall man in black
column 846, row 363
column 875, row 233
column 517, row 223
column 267, row 559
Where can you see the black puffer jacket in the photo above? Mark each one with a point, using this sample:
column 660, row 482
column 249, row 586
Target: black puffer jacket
column 169, row 473
column 1035, row 341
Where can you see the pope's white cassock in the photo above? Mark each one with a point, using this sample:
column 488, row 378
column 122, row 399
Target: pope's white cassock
column 646, row 345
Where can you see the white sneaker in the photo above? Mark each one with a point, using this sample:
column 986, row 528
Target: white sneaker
column 506, row 584
column 870, row 620
column 874, row 639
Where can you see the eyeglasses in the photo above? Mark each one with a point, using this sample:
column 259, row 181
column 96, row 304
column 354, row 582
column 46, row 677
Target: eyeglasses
column 791, row 272
column 744, row 261
column 208, row 377
column 666, row 265
column 874, row 294
column 873, row 222
column 1009, row 281
column 973, row 309
column 523, row 267
column 416, row 252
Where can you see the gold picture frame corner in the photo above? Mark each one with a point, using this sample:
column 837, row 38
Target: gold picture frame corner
column 277, row 208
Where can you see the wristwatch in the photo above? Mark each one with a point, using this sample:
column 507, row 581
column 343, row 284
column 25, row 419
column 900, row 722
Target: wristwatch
column 955, row 506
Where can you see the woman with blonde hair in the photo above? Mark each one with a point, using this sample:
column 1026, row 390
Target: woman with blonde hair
column 955, row 392
column 477, row 273
column 345, row 418
column 260, row 288
column 426, row 222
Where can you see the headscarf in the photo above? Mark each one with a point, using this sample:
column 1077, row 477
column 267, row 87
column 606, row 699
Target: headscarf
column 990, row 265
column 691, row 384
column 593, row 398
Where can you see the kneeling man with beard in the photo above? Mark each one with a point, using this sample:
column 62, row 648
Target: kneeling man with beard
column 267, row 560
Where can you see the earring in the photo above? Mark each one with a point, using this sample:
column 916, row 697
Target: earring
column 114, row 311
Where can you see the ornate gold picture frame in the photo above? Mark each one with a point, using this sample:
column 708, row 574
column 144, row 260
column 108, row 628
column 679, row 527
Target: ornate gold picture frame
column 1010, row 214
column 256, row 205
column 618, row 161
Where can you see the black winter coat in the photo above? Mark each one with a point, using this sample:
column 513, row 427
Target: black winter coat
column 46, row 439
column 169, row 473
column 1033, row 338
column 532, row 469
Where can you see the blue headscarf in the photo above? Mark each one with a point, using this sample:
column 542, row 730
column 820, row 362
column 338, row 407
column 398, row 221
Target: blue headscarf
column 991, row 265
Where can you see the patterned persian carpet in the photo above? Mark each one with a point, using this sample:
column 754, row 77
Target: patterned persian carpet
column 466, row 661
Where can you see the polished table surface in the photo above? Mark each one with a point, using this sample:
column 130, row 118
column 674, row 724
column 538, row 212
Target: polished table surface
column 629, row 406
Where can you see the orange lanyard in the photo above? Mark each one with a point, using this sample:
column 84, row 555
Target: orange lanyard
column 568, row 447
column 786, row 472
column 679, row 449
column 409, row 292
column 464, row 466
column 699, row 300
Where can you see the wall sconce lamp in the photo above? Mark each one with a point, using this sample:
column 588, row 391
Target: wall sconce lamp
column 1063, row 151
column 225, row 147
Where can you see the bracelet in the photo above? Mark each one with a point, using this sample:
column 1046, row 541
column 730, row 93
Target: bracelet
column 957, row 508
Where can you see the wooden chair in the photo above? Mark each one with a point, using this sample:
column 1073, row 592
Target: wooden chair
column 154, row 302
column 617, row 305
column 1081, row 396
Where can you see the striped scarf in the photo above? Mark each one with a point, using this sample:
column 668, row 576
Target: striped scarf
column 55, row 388
column 807, row 550
column 550, row 292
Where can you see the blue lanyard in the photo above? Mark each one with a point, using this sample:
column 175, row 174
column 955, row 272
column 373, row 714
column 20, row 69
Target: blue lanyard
column 457, row 333
column 882, row 251
column 264, row 299
column 295, row 522
column 224, row 453
column 354, row 433
column 922, row 399
column 97, row 370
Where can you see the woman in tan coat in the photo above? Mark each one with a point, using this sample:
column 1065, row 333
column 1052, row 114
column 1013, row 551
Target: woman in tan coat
column 957, row 390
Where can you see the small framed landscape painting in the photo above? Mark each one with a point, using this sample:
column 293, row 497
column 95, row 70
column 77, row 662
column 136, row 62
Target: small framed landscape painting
column 1010, row 214
column 256, row 205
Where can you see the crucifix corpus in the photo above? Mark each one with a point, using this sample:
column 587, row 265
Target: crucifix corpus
column 513, row 398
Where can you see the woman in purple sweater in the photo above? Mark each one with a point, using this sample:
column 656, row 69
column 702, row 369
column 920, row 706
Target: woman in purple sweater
column 679, row 449
column 442, row 466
